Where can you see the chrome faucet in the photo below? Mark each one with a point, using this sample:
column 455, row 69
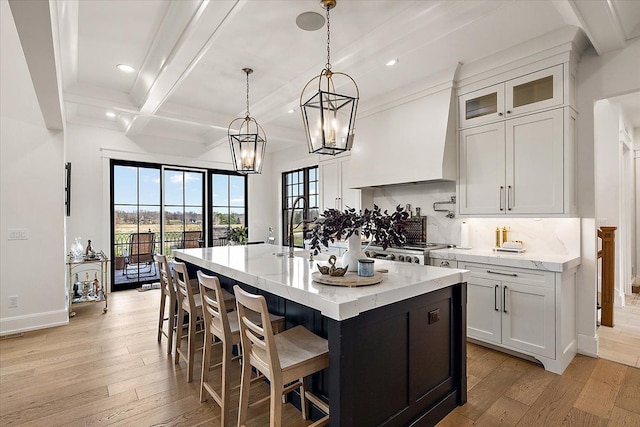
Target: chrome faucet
column 293, row 211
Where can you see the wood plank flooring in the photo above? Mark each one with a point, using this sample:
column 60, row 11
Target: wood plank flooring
column 622, row 342
column 108, row 369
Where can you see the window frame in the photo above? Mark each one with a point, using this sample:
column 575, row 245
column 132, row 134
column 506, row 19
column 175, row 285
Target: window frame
column 306, row 192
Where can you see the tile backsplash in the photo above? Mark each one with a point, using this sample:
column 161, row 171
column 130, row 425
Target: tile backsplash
column 545, row 235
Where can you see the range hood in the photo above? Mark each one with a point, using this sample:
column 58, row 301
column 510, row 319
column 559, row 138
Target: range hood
column 413, row 140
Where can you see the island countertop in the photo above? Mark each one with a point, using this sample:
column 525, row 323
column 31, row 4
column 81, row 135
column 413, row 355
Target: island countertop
column 264, row 267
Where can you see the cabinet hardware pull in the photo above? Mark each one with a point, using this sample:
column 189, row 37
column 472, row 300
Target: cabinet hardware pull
column 499, row 114
column 502, row 274
column 495, row 298
column 500, row 195
column 504, row 299
column 509, row 197
column 508, row 111
column 444, row 264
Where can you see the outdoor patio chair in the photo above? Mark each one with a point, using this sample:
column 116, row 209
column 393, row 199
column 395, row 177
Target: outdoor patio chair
column 192, row 239
column 139, row 256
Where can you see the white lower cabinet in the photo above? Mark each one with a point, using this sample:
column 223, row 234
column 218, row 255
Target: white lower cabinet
column 526, row 311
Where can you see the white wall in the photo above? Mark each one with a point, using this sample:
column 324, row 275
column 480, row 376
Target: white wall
column 31, row 198
column 636, row 242
column 599, row 77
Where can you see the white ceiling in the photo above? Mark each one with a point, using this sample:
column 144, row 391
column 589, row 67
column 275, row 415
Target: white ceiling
column 189, row 54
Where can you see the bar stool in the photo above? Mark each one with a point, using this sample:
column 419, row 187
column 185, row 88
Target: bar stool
column 221, row 324
column 168, row 290
column 285, row 359
column 191, row 303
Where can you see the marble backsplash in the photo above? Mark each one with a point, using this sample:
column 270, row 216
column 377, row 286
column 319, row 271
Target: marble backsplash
column 539, row 235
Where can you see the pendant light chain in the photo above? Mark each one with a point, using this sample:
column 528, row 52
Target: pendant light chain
column 328, row 65
column 247, row 93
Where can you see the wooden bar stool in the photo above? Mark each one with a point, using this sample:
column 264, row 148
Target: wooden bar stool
column 221, row 324
column 191, row 303
column 285, row 359
column 168, row 290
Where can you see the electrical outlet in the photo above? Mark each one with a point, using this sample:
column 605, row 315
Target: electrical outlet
column 13, row 302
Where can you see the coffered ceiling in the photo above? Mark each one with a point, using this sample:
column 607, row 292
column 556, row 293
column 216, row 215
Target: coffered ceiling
column 189, row 54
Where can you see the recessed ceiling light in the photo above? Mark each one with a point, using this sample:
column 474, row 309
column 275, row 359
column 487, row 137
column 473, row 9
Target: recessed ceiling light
column 392, row 62
column 310, row 21
column 110, row 114
column 291, row 110
column 126, row 68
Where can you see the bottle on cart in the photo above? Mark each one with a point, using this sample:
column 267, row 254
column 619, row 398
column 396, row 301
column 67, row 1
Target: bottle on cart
column 96, row 286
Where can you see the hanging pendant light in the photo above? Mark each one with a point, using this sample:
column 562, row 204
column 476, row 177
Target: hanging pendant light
column 329, row 117
column 248, row 141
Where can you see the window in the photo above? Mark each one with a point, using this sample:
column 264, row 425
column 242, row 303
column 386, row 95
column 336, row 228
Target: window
column 301, row 182
column 157, row 208
column 229, row 204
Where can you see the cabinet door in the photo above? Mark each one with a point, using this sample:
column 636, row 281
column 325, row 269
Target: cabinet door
column 482, row 166
column 348, row 196
column 484, row 309
column 534, row 163
column 533, row 92
column 528, row 318
column 329, row 184
column 481, row 106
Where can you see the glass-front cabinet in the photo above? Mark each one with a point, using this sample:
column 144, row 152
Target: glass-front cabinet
column 531, row 92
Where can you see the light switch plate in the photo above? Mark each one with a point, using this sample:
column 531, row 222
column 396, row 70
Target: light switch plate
column 18, row 234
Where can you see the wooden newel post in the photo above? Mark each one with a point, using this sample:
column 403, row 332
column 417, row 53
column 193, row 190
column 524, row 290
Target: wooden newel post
column 608, row 255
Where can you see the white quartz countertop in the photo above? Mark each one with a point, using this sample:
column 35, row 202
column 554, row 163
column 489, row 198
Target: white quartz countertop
column 535, row 261
column 263, row 267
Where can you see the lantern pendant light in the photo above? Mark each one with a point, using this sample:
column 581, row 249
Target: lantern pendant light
column 328, row 116
column 248, row 141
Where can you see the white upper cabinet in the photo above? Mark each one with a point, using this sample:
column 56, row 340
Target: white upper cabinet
column 334, row 185
column 514, row 166
column 522, row 95
column 517, row 146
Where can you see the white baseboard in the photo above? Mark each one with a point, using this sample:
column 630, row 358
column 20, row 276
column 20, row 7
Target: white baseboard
column 588, row 345
column 32, row 322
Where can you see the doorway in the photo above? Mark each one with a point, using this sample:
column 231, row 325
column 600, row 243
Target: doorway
column 617, row 121
column 155, row 209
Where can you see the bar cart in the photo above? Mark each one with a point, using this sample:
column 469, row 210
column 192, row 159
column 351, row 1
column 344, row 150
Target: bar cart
column 88, row 281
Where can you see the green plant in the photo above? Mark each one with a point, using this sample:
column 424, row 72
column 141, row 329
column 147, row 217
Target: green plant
column 383, row 228
column 238, row 234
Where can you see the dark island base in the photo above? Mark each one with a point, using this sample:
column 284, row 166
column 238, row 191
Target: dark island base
column 402, row 364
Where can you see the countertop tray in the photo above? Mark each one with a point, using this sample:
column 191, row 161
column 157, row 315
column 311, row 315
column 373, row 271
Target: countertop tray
column 349, row 280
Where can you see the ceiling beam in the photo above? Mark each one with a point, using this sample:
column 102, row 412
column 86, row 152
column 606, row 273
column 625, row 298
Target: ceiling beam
column 33, row 21
column 597, row 19
column 197, row 38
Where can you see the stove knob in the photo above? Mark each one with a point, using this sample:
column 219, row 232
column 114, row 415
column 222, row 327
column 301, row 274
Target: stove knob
column 416, row 260
column 401, row 258
column 390, row 257
column 408, row 258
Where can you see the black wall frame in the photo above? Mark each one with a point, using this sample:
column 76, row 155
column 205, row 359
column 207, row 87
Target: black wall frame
column 67, row 187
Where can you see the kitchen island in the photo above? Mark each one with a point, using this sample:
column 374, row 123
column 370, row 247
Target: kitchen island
column 396, row 349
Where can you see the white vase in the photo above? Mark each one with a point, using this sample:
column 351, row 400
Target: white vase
column 353, row 254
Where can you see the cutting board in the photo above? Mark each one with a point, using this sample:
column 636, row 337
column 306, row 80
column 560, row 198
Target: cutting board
column 349, row 280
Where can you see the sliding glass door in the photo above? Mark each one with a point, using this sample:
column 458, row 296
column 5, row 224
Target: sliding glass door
column 184, row 192
column 136, row 223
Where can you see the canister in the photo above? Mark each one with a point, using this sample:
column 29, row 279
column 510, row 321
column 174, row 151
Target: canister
column 365, row 267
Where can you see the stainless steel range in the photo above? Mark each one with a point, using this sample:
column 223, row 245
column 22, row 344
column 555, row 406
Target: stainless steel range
column 415, row 253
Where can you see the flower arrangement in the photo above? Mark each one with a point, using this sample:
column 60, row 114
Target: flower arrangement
column 383, row 228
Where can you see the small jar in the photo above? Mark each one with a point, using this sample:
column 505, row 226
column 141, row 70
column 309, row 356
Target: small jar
column 365, row 267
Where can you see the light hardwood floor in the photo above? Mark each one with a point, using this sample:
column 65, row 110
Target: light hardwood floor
column 108, row 369
column 622, row 342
